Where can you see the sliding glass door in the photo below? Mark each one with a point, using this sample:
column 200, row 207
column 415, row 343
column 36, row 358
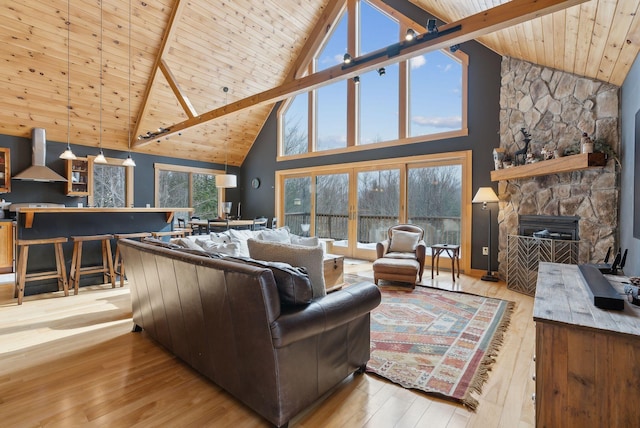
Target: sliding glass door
column 354, row 205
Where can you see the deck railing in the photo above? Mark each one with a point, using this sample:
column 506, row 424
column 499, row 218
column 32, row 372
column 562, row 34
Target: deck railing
column 372, row 229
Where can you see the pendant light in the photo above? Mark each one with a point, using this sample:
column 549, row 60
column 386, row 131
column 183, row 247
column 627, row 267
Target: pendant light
column 100, row 158
column 225, row 180
column 129, row 160
column 68, row 154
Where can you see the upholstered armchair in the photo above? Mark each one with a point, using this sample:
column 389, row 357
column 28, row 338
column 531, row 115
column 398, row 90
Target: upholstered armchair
column 401, row 256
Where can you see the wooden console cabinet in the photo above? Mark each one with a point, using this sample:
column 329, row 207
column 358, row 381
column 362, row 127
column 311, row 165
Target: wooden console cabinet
column 587, row 371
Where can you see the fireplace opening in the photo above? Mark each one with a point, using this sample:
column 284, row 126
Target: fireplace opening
column 552, row 227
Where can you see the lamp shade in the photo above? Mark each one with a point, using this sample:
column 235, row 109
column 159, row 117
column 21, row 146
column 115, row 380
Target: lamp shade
column 485, row 195
column 226, row 181
column 68, row 155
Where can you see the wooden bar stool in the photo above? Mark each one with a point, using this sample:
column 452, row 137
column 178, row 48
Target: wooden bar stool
column 21, row 271
column 171, row 233
column 76, row 261
column 118, row 267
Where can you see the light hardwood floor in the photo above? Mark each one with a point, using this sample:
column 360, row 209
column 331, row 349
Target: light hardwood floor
column 72, row 361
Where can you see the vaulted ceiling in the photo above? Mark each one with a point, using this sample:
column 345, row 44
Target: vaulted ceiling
column 182, row 53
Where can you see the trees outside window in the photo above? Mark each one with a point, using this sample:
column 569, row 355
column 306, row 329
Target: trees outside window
column 415, row 100
column 178, row 186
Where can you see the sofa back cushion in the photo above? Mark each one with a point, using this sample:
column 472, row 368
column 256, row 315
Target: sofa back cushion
column 294, row 286
column 311, row 258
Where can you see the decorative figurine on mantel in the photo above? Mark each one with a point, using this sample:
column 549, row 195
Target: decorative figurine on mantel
column 520, row 157
column 586, row 144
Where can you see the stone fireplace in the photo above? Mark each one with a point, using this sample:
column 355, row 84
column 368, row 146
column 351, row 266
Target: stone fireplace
column 556, row 108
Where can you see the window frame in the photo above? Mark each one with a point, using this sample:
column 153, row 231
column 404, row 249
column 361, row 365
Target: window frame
column 128, row 177
column 307, row 67
column 158, row 167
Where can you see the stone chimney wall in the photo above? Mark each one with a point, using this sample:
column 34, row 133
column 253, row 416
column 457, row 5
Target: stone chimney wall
column 556, row 108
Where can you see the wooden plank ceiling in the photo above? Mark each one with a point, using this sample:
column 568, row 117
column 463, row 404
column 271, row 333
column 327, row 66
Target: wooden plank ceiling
column 182, row 54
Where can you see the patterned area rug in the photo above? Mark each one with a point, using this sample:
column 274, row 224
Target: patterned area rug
column 437, row 341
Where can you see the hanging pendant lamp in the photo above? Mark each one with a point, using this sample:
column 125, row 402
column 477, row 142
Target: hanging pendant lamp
column 226, row 180
column 100, row 158
column 68, row 154
column 129, row 160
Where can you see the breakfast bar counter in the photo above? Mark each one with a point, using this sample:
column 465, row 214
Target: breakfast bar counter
column 51, row 222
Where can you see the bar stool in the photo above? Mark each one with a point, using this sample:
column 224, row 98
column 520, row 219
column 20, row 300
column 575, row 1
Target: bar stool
column 76, row 260
column 21, row 272
column 170, row 233
column 118, row 267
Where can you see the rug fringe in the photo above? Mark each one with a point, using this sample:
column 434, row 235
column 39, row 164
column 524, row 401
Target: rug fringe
column 482, row 373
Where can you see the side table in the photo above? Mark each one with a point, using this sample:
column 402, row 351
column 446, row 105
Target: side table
column 453, row 251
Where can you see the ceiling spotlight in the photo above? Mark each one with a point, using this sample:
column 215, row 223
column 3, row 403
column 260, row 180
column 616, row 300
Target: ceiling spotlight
column 431, row 26
column 356, row 80
column 411, row 35
column 454, row 48
column 347, row 58
column 381, row 71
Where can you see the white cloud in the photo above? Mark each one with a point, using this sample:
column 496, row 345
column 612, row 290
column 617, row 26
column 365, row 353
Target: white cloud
column 453, row 122
column 417, row 62
column 445, row 68
column 338, row 58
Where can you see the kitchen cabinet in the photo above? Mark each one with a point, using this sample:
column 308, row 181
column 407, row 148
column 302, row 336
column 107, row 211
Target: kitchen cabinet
column 6, row 246
column 79, row 177
column 5, row 170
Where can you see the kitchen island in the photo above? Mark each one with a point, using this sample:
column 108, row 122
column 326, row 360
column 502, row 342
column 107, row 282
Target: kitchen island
column 47, row 222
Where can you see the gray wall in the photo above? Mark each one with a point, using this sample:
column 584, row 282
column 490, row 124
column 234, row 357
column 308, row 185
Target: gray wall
column 483, row 124
column 630, row 105
column 25, row 191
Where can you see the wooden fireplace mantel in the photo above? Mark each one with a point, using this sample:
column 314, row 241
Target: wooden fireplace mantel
column 552, row 166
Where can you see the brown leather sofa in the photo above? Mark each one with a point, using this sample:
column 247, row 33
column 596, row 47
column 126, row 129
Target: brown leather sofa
column 226, row 318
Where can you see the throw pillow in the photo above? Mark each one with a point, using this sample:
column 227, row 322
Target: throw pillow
column 187, row 243
column 311, row 258
column 239, row 238
column 403, row 241
column 312, row 241
column 220, row 238
column 275, row 235
column 294, row 287
column 229, row 249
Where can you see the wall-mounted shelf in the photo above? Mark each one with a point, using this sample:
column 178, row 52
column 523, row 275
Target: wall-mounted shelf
column 552, row 166
column 79, row 176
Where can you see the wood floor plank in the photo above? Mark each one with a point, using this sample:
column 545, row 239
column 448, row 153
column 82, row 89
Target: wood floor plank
column 73, row 361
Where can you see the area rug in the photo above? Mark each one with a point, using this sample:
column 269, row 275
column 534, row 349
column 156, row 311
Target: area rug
column 437, row 341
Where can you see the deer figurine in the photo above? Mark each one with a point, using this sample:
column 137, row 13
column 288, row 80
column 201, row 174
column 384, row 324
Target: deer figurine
column 520, row 157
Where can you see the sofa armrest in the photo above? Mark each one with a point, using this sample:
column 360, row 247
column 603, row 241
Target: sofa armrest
column 421, row 251
column 382, row 248
column 325, row 313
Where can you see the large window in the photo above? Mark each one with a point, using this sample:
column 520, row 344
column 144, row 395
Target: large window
column 415, row 100
column 112, row 185
column 178, row 186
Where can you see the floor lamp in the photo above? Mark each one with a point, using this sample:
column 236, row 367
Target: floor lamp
column 486, row 195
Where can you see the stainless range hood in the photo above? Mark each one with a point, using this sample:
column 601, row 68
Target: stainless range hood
column 38, row 171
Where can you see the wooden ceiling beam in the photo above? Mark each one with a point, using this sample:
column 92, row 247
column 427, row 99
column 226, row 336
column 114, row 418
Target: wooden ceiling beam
column 177, row 11
column 471, row 27
column 188, row 108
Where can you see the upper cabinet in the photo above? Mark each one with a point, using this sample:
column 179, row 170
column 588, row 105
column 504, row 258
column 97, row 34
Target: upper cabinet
column 5, row 170
column 79, row 175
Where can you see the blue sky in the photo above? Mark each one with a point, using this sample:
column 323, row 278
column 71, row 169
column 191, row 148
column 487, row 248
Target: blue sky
column 435, row 100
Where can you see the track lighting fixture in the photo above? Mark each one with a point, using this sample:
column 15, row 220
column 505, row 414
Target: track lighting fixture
column 381, row 71
column 431, row 26
column 356, row 79
column 454, row 48
column 411, row 35
column 347, row 59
